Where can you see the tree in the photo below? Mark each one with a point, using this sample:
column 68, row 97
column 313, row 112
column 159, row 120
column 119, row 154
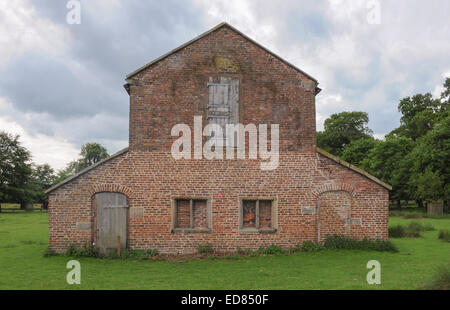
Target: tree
column 15, row 170
column 389, row 161
column 357, row 151
column 419, row 114
column 44, row 175
column 445, row 95
column 431, row 169
column 341, row 129
column 91, row 153
column 42, row 178
column 65, row 173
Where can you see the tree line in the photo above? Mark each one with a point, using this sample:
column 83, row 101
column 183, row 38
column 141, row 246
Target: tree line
column 24, row 182
column 414, row 158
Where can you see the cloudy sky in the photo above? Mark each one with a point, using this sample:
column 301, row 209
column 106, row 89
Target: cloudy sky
column 61, row 83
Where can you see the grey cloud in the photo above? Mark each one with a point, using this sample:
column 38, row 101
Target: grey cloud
column 79, row 95
column 37, row 83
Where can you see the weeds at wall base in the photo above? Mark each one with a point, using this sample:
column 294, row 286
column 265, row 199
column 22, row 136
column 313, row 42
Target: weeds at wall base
column 441, row 279
column 334, row 242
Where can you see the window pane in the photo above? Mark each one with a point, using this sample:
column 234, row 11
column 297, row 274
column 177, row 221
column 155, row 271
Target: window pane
column 183, row 213
column 249, row 213
column 265, row 213
column 200, row 219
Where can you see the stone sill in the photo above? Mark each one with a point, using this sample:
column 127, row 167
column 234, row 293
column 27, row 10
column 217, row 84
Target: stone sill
column 190, row 230
column 258, row 231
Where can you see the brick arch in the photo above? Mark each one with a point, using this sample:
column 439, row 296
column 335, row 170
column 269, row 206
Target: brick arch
column 334, row 186
column 110, row 187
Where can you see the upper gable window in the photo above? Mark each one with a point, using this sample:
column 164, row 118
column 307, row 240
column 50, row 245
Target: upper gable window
column 223, row 107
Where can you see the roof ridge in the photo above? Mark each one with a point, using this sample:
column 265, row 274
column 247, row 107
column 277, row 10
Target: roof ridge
column 223, row 24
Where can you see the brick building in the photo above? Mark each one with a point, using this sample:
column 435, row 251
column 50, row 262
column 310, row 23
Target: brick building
column 152, row 200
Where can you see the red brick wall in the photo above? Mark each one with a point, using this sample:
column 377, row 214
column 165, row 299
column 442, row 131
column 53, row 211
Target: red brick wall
column 173, row 91
column 153, row 180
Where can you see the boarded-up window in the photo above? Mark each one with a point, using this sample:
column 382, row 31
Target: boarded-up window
column 249, row 213
column 200, row 211
column 223, row 107
column 183, row 213
column 265, row 213
column 191, row 213
column 257, row 214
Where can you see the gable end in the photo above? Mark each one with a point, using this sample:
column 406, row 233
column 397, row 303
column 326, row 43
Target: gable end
column 129, row 77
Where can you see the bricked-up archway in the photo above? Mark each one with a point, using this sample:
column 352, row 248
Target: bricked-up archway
column 333, row 213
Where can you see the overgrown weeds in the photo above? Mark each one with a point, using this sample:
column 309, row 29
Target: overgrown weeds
column 86, row 251
column 90, row 251
column 441, row 280
column 205, row 249
column 334, row 242
column 309, row 246
column 272, row 250
column 444, row 235
column 49, row 253
column 339, row 242
column 412, row 230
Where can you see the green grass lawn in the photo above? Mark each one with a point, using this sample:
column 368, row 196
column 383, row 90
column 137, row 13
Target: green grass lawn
column 24, row 238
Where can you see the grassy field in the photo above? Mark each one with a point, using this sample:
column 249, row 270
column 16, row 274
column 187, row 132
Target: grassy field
column 23, row 239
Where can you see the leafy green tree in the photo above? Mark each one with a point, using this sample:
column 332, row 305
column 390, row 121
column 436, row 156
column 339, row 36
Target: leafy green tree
column 44, row 175
column 91, row 153
column 389, row 161
column 65, row 173
column 445, row 95
column 341, row 129
column 357, row 151
column 15, row 170
column 419, row 114
column 431, row 168
column 428, row 185
column 42, row 178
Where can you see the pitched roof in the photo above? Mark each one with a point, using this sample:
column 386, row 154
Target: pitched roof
column 51, row 189
column 354, row 168
column 221, row 25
